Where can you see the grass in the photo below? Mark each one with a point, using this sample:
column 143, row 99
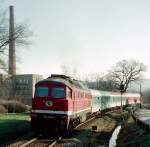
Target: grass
column 13, row 125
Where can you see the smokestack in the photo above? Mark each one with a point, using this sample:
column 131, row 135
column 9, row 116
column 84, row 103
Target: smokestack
column 12, row 56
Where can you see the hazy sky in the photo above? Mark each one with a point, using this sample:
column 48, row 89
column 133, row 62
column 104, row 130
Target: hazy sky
column 88, row 35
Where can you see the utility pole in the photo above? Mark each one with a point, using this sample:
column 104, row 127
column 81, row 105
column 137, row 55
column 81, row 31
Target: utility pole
column 140, row 96
column 121, row 92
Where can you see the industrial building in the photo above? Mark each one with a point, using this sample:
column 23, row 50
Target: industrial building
column 18, row 87
column 23, row 86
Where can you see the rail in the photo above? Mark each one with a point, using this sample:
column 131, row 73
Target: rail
column 29, row 142
column 35, row 141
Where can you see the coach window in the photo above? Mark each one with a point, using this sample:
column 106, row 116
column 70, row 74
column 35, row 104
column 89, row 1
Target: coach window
column 41, row 92
column 58, row 92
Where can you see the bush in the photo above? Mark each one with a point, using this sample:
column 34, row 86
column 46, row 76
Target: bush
column 14, row 106
column 4, row 104
column 2, row 109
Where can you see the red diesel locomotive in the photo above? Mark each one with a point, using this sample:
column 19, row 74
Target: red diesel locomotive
column 59, row 103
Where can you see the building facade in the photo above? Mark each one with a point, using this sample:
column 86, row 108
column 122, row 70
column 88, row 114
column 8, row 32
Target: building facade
column 23, row 86
column 18, row 87
column 5, row 86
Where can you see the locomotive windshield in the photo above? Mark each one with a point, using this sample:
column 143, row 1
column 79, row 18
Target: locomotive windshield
column 58, row 92
column 41, row 92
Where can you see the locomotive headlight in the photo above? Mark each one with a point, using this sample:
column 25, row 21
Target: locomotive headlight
column 48, row 103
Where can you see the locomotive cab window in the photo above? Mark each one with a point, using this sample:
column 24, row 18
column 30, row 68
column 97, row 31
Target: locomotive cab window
column 41, row 92
column 58, row 92
column 68, row 93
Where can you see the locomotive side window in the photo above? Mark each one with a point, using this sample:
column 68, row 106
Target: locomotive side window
column 69, row 93
column 41, row 92
column 58, row 92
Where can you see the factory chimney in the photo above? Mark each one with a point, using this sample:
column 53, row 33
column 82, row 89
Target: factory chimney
column 12, row 56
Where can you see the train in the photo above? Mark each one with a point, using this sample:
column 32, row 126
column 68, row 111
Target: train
column 106, row 100
column 60, row 103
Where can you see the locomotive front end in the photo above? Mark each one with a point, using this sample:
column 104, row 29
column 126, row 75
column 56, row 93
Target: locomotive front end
column 50, row 106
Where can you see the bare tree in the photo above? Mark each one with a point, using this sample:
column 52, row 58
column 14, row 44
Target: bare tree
column 126, row 72
column 21, row 36
column 100, row 82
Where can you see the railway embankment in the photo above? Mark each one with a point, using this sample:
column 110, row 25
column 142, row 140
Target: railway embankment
column 135, row 132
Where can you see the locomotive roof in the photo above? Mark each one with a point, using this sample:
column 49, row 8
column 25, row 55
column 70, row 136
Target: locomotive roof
column 62, row 79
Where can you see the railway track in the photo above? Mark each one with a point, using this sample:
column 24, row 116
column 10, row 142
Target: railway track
column 40, row 142
column 50, row 141
column 29, row 142
column 84, row 123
